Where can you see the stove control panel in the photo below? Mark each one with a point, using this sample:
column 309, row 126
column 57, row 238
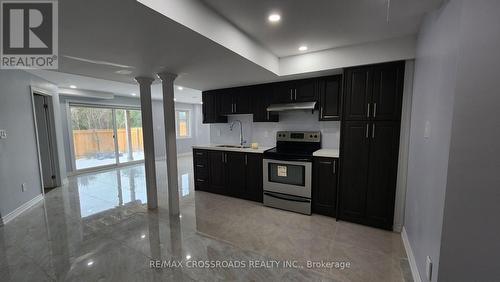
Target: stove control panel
column 299, row 136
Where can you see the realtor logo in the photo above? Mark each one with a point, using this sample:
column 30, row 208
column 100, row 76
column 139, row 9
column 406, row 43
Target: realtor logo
column 29, row 35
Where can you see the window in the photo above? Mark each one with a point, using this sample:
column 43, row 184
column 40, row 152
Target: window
column 182, row 123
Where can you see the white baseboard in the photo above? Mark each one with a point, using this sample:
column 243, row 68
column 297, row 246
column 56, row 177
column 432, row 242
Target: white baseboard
column 20, row 210
column 411, row 257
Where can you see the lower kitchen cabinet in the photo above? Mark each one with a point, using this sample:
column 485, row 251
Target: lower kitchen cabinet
column 235, row 174
column 369, row 168
column 324, row 191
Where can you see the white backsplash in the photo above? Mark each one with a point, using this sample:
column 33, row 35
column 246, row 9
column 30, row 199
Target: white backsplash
column 264, row 133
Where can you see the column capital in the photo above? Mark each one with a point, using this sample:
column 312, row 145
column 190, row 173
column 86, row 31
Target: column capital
column 167, row 76
column 144, row 80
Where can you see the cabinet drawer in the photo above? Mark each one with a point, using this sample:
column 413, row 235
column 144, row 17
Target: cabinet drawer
column 200, row 171
column 200, row 153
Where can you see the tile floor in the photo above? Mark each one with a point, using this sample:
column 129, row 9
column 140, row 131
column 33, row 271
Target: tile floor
column 97, row 228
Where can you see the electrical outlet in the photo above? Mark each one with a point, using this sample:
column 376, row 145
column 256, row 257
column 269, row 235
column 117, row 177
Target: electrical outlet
column 3, row 134
column 428, row 268
column 427, row 130
column 23, row 187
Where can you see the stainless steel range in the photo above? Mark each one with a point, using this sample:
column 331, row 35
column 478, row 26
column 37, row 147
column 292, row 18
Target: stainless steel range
column 288, row 170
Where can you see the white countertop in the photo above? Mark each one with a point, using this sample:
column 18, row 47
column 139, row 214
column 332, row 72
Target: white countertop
column 327, row 153
column 260, row 150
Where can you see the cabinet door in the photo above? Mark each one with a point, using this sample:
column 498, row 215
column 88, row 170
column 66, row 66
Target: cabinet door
column 208, row 108
column 254, row 177
column 283, row 92
column 384, row 148
column 355, row 147
column 236, row 171
column 330, row 90
column 200, row 164
column 357, row 93
column 241, row 100
column 305, row 90
column 324, row 193
column 261, row 97
column 388, row 82
column 217, row 175
column 225, row 102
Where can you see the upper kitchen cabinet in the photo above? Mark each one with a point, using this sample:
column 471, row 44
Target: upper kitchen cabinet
column 303, row 90
column 374, row 92
column 388, row 80
column 330, row 97
column 261, row 96
column 211, row 107
column 235, row 101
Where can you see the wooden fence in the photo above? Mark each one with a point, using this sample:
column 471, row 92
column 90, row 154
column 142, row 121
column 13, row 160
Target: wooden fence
column 90, row 142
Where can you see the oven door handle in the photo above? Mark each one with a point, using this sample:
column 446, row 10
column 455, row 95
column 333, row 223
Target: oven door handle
column 286, row 199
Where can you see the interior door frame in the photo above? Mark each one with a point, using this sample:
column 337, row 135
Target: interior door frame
column 55, row 154
column 113, row 108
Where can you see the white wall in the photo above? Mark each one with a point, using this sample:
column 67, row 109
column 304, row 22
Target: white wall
column 18, row 153
column 265, row 133
column 470, row 247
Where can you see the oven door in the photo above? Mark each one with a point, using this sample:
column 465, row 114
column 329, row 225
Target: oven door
column 287, row 177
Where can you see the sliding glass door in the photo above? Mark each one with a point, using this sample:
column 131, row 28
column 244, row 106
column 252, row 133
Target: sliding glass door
column 105, row 136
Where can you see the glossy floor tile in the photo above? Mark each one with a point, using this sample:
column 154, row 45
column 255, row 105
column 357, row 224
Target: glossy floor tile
column 97, row 228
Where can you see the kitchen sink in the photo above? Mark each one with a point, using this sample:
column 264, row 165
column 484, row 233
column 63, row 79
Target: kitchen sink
column 232, row 146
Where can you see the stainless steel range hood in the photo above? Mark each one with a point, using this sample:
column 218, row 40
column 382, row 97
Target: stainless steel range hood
column 291, row 107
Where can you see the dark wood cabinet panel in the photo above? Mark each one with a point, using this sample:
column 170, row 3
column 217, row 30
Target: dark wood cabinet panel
column 357, row 93
column 324, row 192
column 384, row 148
column 211, row 108
column 305, row 90
column 261, row 97
column 236, row 173
column 387, row 91
column 254, row 177
column 283, row 92
column 330, row 97
column 242, row 102
column 217, row 172
column 355, row 148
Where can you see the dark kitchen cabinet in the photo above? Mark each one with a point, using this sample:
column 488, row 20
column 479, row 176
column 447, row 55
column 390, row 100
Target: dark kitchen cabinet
column 355, row 149
column 374, row 92
column 384, row 148
column 254, row 177
column 330, row 97
column 212, row 108
column 217, row 172
column 387, row 91
column 324, row 191
column 303, row 90
column 369, row 152
column 236, row 173
column 235, row 101
column 261, row 96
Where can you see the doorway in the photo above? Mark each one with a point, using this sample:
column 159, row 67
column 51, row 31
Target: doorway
column 46, row 138
column 104, row 136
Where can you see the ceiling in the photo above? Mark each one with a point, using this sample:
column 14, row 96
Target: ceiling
column 323, row 24
column 64, row 80
column 98, row 39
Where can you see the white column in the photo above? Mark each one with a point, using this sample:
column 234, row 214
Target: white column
column 170, row 140
column 147, row 135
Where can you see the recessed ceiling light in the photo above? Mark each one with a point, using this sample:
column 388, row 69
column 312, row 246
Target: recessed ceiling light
column 303, row 48
column 188, row 257
column 90, row 263
column 274, row 18
column 143, row 236
column 134, row 94
column 180, row 87
column 72, row 86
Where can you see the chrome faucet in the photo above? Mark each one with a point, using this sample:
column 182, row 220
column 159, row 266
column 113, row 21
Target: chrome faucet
column 241, row 131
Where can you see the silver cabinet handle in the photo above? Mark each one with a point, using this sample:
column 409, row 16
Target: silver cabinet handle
column 323, row 162
column 267, row 115
column 295, row 94
column 199, row 154
column 200, row 180
column 235, row 110
column 200, row 165
column 373, row 131
column 334, row 165
column 368, row 113
column 366, row 131
column 246, row 160
column 374, row 109
column 223, row 158
column 291, row 95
